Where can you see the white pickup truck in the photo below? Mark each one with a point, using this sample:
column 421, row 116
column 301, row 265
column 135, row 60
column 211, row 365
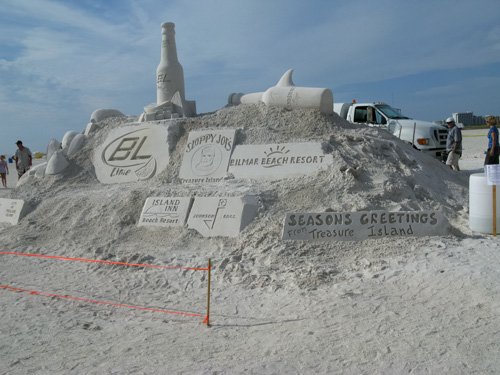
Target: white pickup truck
column 424, row 136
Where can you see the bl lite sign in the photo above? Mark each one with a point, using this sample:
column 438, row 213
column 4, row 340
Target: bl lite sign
column 132, row 153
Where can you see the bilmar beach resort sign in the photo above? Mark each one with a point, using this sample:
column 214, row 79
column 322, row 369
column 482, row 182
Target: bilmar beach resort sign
column 278, row 160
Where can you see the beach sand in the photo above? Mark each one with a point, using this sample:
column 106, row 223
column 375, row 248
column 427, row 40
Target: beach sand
column 392, row 305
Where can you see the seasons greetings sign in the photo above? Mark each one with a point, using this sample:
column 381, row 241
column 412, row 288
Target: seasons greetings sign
column 362, row 225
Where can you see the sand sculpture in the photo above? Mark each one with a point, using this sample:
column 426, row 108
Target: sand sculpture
column 141, row 149
column 170, row 92
column 171, row 102
column 286, row 94
column 406, row 304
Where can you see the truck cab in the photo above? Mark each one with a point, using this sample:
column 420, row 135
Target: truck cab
column 424, row 136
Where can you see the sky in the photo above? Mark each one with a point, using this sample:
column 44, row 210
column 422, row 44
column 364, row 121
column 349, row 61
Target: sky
column 62, row 59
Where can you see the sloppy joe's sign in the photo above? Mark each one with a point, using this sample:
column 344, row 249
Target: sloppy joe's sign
column 357, row 226
column 132, row 153
column 206, row 156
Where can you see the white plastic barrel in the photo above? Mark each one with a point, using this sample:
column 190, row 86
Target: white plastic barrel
column 481, row 204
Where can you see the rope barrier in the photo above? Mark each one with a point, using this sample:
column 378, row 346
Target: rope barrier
column 86, row 260
column 80, row 299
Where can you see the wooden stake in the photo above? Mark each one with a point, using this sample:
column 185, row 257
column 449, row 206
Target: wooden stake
column 414, row 130
column 207, row 318
column 494, row 210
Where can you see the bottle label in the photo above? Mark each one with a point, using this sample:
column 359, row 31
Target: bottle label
column 161, row 80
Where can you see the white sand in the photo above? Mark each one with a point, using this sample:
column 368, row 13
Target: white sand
column 406, row 305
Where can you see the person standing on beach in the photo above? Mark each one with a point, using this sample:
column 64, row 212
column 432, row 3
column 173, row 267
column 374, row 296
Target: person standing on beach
column 4, row 170
column 23, row 159
column 493, row 145
column 453, row 144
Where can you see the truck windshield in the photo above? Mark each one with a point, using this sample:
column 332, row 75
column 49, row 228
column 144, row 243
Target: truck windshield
column 391, row 112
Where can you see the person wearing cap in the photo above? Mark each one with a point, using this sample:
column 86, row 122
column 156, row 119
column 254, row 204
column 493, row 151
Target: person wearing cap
column 493, row 146
column 23, row 159
column 453, row 144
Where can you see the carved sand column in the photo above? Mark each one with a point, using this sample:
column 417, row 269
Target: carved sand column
column 169, row 74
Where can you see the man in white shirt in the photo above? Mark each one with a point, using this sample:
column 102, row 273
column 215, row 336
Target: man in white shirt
column 23, row 159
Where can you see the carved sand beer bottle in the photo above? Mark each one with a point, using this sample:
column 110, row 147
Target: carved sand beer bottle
column 169, row 74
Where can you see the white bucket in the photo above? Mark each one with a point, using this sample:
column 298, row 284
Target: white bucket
column 481, row 204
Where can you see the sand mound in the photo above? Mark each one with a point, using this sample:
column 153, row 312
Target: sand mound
column 73, row 214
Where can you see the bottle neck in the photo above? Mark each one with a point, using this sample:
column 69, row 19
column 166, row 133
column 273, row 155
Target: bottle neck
column 168, row 47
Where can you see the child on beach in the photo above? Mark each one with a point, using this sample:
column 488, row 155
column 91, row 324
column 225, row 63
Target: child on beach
column 4, row 170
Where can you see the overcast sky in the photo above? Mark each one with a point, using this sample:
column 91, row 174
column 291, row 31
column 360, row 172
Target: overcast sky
column 62, row 59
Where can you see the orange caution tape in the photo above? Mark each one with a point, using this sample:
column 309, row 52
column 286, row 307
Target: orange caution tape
column 114, row 304
column 102, row 261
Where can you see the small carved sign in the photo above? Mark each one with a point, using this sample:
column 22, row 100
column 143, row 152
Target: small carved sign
column 222, row 216
column 165, row 211
column 206, row 156
column 10, row 210
column 132, row 153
